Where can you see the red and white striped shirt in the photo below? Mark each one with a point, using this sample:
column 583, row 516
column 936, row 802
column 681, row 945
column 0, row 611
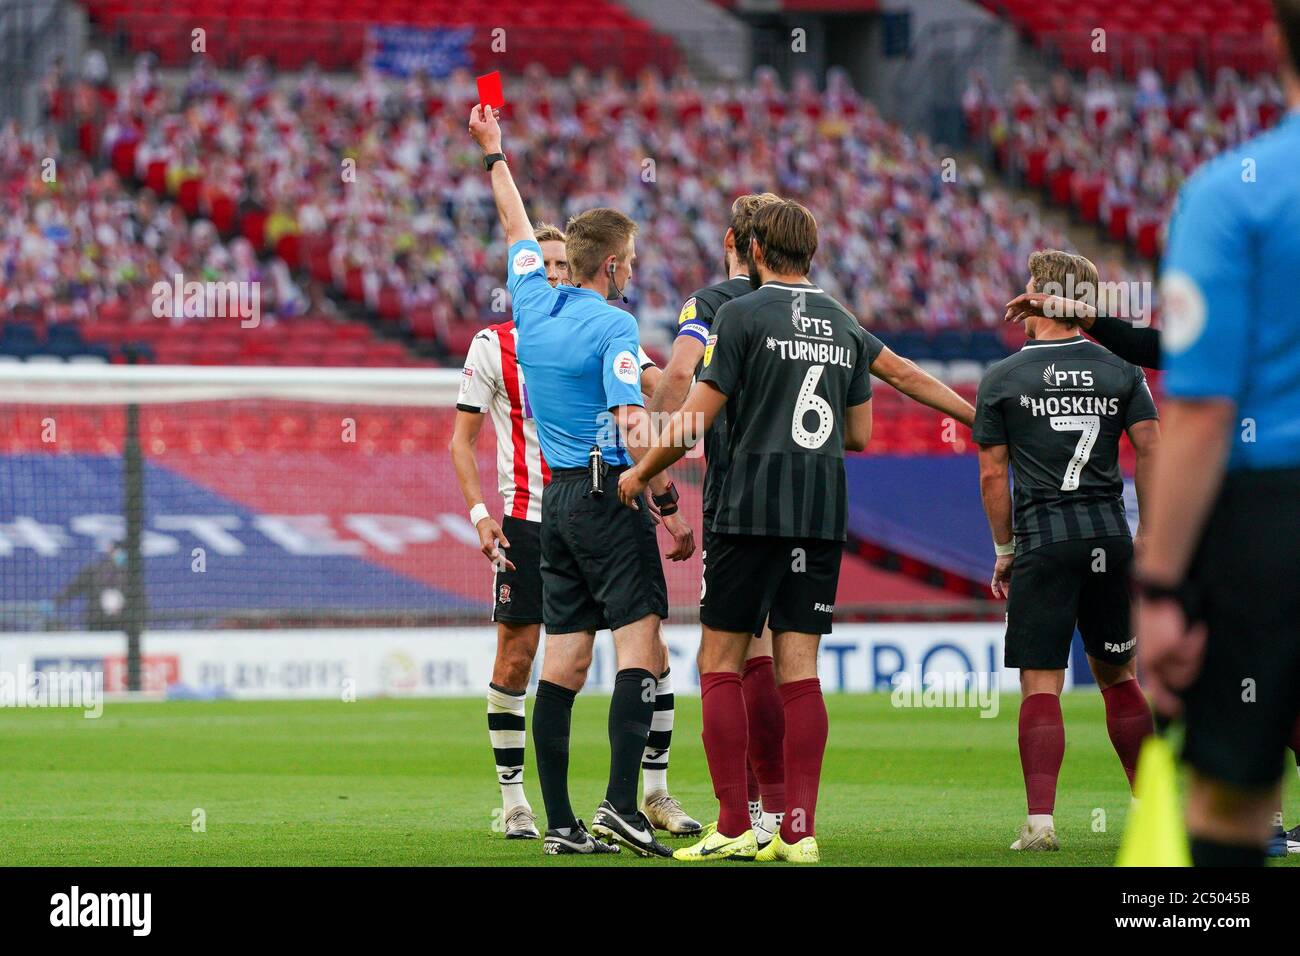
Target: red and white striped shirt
column 493, row 381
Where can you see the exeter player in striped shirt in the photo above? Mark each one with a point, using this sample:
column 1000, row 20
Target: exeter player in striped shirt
column 492, row 382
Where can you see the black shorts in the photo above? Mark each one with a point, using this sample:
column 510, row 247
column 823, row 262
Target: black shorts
column 789, row 583
column 517, row 594
column 1241, row 709
column 1064, row 583
column 600, row 559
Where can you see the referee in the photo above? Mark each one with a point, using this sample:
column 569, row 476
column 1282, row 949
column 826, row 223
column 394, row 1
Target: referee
column 600, row 561
column 1219, row 614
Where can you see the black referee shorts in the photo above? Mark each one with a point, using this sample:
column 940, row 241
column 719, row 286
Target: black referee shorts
column 1055, row 586
column 789, row 583
column 1240, row 710
column 600, row 559
column 517, row 594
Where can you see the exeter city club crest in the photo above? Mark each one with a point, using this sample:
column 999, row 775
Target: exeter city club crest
column 503, row 594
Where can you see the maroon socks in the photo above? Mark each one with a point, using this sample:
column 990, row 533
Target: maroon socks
column 805, row 744
column 1042, row 748
column 1128, row 721
column 725, row 746
column 766, row 713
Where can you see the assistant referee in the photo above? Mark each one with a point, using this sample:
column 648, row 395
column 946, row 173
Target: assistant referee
column 600, row 561
column 1219, row 615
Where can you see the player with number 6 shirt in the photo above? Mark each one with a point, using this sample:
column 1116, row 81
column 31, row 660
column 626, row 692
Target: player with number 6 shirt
column 791, row 367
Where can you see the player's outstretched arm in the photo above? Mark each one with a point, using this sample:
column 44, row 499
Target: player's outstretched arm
column 675, row 382
column 637, row 437
column 464, row 437
column 995, row 492
column 510, row 206
column 683, row 430
column 920, row 386
column 857, row 427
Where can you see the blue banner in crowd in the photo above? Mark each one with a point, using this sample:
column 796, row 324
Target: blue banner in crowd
column 403, row 50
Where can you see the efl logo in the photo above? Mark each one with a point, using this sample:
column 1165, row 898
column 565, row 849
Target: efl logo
column 525, row 261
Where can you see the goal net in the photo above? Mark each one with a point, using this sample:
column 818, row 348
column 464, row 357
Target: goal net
column 170, row 497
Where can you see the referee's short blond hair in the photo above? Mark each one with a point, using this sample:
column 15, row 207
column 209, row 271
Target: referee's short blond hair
column 591, row 237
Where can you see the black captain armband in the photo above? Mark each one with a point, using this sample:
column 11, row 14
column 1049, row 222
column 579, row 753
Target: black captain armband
column 667, row 502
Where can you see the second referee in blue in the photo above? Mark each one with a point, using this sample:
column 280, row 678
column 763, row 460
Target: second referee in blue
column 600, row 561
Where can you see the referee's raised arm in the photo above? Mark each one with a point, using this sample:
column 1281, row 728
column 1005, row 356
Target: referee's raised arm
column 486, row 131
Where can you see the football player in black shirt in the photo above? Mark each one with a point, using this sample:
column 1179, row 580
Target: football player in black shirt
column 791, row 367
column 694, row 325
column 1055, row 411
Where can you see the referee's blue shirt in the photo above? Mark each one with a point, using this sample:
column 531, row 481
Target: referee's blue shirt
column 1230, row 291
column 579, row 356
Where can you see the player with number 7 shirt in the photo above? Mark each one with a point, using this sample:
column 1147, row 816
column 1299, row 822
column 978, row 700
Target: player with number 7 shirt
column 791, row 366
column 1054, row 413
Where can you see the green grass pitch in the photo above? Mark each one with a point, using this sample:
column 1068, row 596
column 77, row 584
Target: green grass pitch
column 410, row 782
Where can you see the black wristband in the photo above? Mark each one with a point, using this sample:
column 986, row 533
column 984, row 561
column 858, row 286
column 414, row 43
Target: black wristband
column 667, row 502
column 492, row 158
column 1154, row 591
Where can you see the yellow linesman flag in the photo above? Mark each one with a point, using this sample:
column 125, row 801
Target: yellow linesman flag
column 1155, row 835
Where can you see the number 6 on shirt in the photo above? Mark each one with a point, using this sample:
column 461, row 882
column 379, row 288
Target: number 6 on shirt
column 810, row 401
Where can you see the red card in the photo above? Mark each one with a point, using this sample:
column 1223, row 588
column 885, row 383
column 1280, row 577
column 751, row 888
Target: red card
column 489, row 90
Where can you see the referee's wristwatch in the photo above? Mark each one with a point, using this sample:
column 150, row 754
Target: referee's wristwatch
column 491, row 159
column 667, row 502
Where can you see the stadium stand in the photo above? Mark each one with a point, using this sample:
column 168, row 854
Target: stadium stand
column 353, row 204
column 332, row 34
column 1170, row 36
column 1116, row 155
column 916, row 253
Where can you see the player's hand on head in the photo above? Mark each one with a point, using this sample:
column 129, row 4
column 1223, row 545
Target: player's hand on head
column 491, row 539
column 485, row 129
column 1170, row 653
column 1051, row 306
column 683, row 537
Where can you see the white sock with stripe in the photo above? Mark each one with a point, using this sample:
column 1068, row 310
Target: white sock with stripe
column 654, row 761
column 506, row 730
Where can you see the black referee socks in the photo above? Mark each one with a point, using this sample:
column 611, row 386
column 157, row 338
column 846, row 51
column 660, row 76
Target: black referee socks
column 630, row 713
column 552, row 715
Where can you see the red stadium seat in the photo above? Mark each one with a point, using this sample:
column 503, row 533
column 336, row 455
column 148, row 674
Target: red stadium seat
column 287, row 248
column 253, row 226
